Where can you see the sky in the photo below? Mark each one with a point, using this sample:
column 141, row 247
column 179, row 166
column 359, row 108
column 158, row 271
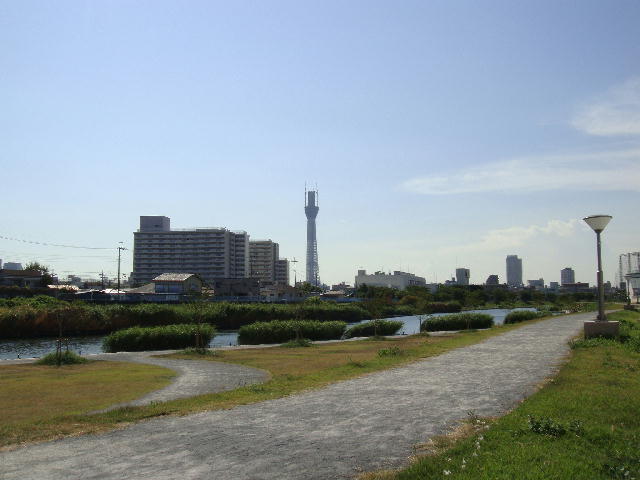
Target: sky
column 440, row 134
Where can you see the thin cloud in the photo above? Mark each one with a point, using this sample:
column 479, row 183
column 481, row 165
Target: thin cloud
column 505, row 238
column 603, row 171
column 617, row 112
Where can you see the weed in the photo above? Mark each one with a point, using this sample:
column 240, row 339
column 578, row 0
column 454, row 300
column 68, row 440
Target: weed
column 390, row 352
column 548, row 426
column 66, row 358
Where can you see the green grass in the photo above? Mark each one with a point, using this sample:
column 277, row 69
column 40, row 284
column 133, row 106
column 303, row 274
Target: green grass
column 584, row 424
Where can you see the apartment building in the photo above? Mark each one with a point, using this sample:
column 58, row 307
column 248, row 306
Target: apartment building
column 212, row 253
column 266, row 264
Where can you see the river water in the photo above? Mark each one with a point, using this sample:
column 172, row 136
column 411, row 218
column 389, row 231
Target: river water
column 37, row 347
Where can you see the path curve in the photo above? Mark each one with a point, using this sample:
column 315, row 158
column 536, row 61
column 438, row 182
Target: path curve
column 365, row 423
column 194, row 377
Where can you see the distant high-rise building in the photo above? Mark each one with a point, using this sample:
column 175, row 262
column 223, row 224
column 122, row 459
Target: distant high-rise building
column 263, row 255
column 514, row 271
column 212, row 253
column 628, row 263
column 266, row 265
column 492, row 280
column 462, row 276
column 311, row 211
column 567, row 275
column 282, row 271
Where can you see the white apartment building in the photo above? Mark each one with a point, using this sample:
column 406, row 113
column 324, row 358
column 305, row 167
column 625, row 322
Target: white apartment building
column 399, row 280
column 212, row 253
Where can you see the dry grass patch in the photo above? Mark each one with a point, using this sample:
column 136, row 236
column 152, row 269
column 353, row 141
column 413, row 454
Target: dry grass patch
column 45, row 399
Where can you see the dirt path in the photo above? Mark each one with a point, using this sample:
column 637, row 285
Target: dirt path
column 360, row 424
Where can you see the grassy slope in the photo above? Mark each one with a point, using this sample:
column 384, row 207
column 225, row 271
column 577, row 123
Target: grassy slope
column 599, row 387
column 40, row 401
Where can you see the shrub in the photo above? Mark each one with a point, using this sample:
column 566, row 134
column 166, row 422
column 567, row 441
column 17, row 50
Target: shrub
column 522, row 315
column 442, row 307
column 66, row 358
column 157, row 338
column 374, row 327
column 279, row 331
column 458, row 321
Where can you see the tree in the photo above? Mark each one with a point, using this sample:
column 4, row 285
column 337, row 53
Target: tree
column 33, row 266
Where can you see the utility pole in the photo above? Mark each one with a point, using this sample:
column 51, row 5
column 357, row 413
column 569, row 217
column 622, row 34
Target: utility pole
column 295, row 274
column 119, row 253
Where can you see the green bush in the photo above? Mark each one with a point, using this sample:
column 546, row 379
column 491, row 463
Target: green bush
column 457, row 321
column 280, row 331
column 66, row 358
column 157, row 338
column 369, row 329
column 441, row 307
column 521, row 316
column 38, row 316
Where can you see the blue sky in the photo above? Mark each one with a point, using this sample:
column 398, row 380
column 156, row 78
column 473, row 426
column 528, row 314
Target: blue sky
column 439, row 133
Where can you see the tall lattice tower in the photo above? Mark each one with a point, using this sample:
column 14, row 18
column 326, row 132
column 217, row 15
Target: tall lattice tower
column 311, row 211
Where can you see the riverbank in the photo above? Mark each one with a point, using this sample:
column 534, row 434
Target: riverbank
column 367, row 421
column 293, row 370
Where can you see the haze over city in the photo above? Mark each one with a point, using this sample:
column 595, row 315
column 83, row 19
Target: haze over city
column 439, row 134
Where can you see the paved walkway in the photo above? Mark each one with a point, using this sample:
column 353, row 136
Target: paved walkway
column 361, row 424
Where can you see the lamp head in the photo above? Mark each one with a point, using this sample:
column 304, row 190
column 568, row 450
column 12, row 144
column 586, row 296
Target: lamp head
column 598, row 222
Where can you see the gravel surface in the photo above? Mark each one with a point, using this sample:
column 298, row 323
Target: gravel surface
column 356, row 425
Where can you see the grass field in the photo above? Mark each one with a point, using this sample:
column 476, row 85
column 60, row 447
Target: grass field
column 39, row 401
column 584, row 424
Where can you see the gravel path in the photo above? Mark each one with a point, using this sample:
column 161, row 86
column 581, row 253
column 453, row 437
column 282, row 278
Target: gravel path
column 360, row 424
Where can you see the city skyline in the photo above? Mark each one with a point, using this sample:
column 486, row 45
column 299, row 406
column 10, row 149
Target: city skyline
column 443, row 135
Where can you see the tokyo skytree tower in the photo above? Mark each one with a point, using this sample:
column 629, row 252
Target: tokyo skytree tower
column 311, row 211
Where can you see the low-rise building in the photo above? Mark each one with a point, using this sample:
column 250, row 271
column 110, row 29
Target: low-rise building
column 180, row 283
column 20, row 278
column 399, row 280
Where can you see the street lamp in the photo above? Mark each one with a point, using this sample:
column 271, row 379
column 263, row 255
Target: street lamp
column 598, row 223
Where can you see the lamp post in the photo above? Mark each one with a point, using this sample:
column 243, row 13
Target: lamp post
column 598, row 223
column 601, row 327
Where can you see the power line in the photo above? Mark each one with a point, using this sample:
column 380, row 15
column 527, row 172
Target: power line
column 54, row 244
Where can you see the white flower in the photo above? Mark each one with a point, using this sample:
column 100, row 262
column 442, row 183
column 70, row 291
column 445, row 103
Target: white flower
column 446, row 472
